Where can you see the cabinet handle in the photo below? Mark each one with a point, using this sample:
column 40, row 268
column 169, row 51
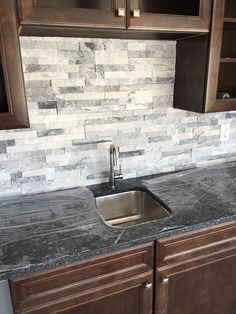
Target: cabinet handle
column 148, row 286
column 121, row 12
column 136, row 13
column 165, row 280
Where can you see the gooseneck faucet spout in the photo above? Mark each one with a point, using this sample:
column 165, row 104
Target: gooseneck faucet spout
column 115, row 167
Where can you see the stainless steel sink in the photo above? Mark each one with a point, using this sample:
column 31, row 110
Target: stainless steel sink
column 130, row 208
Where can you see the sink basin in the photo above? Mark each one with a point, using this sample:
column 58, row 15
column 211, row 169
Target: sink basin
column 130, row 208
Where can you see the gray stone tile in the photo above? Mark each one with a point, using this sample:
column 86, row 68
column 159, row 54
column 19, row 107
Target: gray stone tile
column 51, row 132
column 47, row 105
column 85, row 93
column 133, row 153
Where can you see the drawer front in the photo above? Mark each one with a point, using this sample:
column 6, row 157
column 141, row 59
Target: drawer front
column 75, row 279
column 127, row 296
column 208, row 243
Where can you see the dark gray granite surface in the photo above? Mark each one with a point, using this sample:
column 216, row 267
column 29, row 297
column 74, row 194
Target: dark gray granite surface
column 46, row 230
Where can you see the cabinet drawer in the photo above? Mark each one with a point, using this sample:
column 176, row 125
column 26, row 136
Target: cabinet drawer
column 72, row 281
column 194, row 247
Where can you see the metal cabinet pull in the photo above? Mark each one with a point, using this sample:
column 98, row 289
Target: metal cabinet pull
column 165, row 280
column 148, row 286
column 136, row 13
column 121, row 12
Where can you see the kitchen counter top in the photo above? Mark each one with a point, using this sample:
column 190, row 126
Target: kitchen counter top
column 41, row 231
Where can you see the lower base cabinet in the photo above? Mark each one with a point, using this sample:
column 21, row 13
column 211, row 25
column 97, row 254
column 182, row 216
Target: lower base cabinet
column 118, row 283
column 196, row 272
column 192, row 273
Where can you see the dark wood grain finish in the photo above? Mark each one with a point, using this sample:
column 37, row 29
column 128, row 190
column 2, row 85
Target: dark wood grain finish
column 230, row 8
column 196, row 272
column 30, row 13
column 38, row 13
column 214, row 56
column 16, row 115
column 190, row 74
column 67, row 288
column 201, row 71
column 171, row 22
column 3, row 96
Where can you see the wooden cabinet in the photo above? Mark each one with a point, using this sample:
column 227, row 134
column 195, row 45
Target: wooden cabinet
column 206, row 65
column 196, row 272
column 73, row 13
column 224, row 82
column 13, row 109
column 115, row 283
column 168, row 16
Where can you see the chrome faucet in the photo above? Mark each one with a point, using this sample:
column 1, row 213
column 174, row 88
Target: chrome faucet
column 115, row 167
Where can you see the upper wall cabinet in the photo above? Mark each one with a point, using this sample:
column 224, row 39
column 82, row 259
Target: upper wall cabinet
column 162, row 15
column 13, row 110
column 222, row 66
column 206, row 65
column 170, row 15
column 73, row 13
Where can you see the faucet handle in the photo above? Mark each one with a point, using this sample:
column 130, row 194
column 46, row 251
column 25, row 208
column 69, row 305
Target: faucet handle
column 117, row 169
column 120, row 169
column 118, row 174
column 118, row 177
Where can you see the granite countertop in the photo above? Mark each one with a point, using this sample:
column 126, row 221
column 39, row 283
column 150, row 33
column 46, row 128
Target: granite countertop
column 41, row 231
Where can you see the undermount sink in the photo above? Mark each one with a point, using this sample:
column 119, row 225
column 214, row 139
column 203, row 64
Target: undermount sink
column 130, row 208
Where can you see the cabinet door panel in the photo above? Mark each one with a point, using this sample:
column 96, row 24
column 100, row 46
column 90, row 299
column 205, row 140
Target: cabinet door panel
column 181, row 7
column 72, row 13
column 76, row 4
column 207, row 288
column 196, row 272
column 13, row 109
column 69, row 287
column 128, row 296
column 171, row 15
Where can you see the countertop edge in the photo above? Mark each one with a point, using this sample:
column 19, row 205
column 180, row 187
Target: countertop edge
column 34, row 268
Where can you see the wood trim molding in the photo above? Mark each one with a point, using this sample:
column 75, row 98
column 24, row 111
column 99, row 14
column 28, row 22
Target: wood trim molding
column 171, row 22
column 17, row 116
column 214, row 56
column 31, row 14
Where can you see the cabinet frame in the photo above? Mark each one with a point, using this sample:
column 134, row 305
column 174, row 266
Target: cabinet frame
column 171, row 22
column 70, row 287
column 198, row 62
column 30, row 14
column 212, row 103
column 17, row 115
column 192, row 251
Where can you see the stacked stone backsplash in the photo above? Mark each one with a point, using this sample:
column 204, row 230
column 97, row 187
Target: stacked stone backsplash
column 85, row 93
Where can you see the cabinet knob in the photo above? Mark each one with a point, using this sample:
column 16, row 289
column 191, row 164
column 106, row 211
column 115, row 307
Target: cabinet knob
column 136, row 13
column 148, row 286
column 165, row 280
column 121, row 12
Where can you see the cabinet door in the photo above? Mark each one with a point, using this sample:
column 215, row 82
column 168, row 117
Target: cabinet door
column 206, row 65
column 221, row 85
column 115, row 283
column 197, row 273
column 128, row 296
column 73, row 13
column 170, row 15
column 13, row 109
